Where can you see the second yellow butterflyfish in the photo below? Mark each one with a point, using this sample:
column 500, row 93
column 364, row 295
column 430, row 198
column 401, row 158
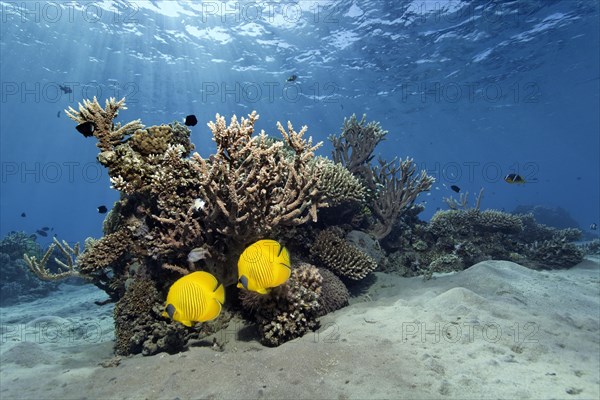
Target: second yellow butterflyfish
column 263, row 265
column 196, row 297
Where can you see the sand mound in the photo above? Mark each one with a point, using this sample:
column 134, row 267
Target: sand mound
column 27, row 355
column 495, row 330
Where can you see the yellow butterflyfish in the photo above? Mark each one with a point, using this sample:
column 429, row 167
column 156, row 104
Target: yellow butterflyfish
column 196, row 297
column 263, row 265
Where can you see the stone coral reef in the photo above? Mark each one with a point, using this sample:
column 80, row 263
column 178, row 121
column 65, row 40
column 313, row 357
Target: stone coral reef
column 341, row 218
column 457, row 238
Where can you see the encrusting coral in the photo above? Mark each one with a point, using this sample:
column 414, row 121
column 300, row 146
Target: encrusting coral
column 138, row 328
column 104, row 252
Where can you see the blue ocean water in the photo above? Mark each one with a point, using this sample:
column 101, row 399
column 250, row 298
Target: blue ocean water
column 472, row 90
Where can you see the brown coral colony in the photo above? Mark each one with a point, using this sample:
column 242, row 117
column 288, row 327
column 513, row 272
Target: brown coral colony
column 179, row 213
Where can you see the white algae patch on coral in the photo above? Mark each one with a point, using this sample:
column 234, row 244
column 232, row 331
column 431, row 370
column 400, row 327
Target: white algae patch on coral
column 496, row 330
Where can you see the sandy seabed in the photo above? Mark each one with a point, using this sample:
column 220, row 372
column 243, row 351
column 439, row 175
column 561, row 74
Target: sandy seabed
column 495, row 330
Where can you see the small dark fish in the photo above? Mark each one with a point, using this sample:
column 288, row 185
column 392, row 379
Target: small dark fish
column 102, row 209
column 58, row 114
column 514, row 178
column 41, row 233
column 33, row 236
column 86, row 129
column 23, row 215
column 292, row 78
column 594, row 227
column 455, row 188
column 45, row 229
column 190, row 120
column 578, row 178
column 65, row 89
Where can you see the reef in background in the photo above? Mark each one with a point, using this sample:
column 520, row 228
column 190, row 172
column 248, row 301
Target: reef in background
column 555, row 217
column 462, row 236
column 17, row 282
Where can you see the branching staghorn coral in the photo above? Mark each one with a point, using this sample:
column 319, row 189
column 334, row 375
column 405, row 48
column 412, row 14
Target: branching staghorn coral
column 250, row 186
column 38, row 267
column 392, row 188
column 463, row 201
column 179, row 213
column 108, row 134
column 397, row 189
column 354, row 147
